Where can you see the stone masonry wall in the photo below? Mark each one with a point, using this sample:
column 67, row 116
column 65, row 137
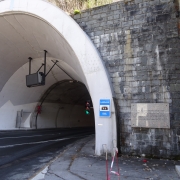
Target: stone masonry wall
column 138, row 42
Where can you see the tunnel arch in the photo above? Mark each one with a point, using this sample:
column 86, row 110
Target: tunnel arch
column 64, row 102
column 28, row 28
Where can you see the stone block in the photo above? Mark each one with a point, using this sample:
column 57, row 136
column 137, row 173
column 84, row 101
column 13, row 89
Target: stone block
column 163, row 18
column 174, row 87
column 134, row 90
column 160, row 7
column 96, row 16
column 126, row 23
column 117, row 89
column 85, row 14
column 150, row 19
column 165, row 1
column 175, row 95
column 97, row 33
column 118, row 79
column 141, row 89
column 138, row 96
column 125, row 116
column 77, row 16
column 138, row 136
column 177, row 116
column 117, row 12
column 155, row 82
column 124, row 103
column 113, row 7
column 148, row 96
column 98, row 10
column 103, row 15
column 158, row 137
column 143, row 60
column 131, row 7
column 125, row 109
column 176, row 102
column 140, row 17
column 138, row 1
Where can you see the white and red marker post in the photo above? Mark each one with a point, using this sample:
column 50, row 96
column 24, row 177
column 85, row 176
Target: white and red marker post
column 115, row 156
column 107, row 170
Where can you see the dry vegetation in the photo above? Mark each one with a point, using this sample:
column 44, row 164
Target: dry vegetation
column 72, row 6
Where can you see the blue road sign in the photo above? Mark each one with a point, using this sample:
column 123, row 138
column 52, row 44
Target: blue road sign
column 104, row 108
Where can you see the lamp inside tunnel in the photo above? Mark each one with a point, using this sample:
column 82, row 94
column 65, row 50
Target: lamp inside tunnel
column 38, row 78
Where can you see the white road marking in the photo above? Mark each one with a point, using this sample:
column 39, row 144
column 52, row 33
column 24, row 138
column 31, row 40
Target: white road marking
column 40, row 142
column 28, row 136
column 41, row 175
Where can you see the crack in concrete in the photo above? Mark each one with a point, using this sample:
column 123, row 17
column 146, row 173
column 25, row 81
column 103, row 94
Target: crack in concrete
column 74, row 157
column 49, row 163
column 57, row 175
column 49, row 171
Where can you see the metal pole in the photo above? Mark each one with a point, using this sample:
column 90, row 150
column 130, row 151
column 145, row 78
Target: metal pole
column 40, row 68
column 63, row 70
column 45, row 62
column 51, row 67
column 44, row 76
column 30, row 65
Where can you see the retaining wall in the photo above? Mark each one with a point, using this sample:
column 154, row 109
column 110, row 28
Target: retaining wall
column 138, row 42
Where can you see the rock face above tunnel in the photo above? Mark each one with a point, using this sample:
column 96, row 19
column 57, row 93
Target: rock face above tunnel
column 138, row 41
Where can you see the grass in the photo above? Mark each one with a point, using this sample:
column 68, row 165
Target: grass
column 76, row 6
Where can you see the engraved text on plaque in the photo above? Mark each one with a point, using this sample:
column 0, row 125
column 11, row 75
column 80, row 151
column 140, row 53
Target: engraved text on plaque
column 151, row 115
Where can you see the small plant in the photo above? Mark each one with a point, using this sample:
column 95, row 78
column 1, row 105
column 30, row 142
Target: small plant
column 76, row 11
column 76, row 6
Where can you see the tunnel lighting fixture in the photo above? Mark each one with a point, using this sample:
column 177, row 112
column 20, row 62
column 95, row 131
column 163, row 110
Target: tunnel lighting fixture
column 38, row 78
column 70, row 81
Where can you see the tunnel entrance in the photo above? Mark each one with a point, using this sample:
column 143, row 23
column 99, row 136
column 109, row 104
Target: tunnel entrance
column 63, row 105
column 27, row 29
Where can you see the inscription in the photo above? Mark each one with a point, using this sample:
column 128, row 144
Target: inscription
column 152, row 115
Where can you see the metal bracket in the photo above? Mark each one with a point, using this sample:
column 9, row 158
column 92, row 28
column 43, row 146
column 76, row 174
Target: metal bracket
column 52, row 66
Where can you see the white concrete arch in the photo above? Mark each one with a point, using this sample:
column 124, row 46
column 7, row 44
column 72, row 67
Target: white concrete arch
column 27, row 28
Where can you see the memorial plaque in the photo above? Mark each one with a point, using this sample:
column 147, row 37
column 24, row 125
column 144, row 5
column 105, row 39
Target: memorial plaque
column 150, row 115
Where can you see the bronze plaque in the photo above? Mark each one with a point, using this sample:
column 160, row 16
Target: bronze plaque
column 150, row 115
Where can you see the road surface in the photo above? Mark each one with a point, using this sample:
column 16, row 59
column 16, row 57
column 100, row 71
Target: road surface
column 24, row 152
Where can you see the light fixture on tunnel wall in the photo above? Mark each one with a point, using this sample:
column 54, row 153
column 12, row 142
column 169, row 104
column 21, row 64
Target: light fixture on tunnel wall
column 38, row 78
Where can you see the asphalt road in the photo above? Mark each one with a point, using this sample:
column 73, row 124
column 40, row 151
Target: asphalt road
column 24, row 152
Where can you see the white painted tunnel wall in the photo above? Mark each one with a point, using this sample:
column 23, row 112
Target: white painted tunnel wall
column 26, row 120
column 85, row 62
column 8, row 114
column 64, row 115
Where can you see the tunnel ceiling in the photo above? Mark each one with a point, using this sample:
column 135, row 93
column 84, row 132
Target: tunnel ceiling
column 67, row 92
column 28, row 27
column 23, row 36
